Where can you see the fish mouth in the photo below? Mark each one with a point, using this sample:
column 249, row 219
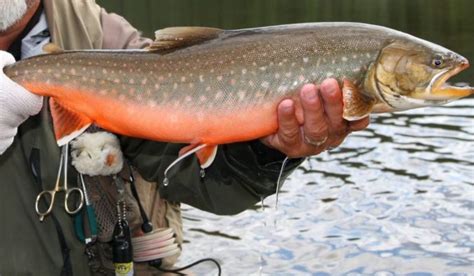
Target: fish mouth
column 439, row 90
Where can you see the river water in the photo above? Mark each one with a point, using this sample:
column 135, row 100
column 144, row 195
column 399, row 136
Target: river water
column 396, row 198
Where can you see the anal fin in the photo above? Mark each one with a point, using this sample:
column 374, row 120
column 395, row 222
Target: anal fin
column 356, row 104
column 205, row 155
column 67, row 124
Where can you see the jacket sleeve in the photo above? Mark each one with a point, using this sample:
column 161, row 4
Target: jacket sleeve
column 119, row 34
column 241, row 175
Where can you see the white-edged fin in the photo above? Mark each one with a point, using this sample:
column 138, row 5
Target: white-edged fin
column 73, row 135
column 67, row 124
column 186, row 154
column 356, row 104
column 206, row 156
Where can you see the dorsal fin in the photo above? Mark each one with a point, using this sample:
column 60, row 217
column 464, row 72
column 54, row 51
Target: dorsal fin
column 52, row 48
column 173, row 38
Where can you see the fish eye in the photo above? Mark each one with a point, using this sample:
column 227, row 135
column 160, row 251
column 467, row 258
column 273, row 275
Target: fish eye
column 438, row 61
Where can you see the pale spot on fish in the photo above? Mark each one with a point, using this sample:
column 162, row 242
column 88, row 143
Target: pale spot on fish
column 367, row 55
column 244, row 71
column 157, row 86
column 219, row 78
column 277, row 76
column 103, row 92
column 151, row 103
column 175, row 86
column 232, row 82
column 104, row 71
column 188, row 99
column 131, row 81
column 183, row 79
column 144, row 81
column 201, row 78
column 333, row 61
column 265, row 84
column 219, row 94
column 203, row 98
column 208, row 88
column 121, row 97
column 251, row 83
column 263, row 68
column 354, row 56
column 356, row 70
column 344, row 59
column 241, row 94
column 40, row 71
column 329, row 74
column 117, row 80
column 305, row 60
column 302, row 78
column 288, row 74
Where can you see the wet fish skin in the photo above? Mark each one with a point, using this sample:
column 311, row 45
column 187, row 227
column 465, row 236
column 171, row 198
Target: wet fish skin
column 226, row 89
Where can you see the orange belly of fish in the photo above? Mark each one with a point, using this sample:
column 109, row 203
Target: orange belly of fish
column 164, row 122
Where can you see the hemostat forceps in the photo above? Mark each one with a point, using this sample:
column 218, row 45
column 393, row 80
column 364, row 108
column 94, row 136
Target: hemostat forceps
column 51, row 194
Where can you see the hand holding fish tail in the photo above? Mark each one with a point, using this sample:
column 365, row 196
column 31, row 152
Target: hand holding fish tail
column 321, row 125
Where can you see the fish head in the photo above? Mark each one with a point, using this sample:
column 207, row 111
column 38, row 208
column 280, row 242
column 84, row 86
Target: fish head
column 412, row 73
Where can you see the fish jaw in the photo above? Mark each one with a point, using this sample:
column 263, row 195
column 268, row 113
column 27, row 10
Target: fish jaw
column 438, row 90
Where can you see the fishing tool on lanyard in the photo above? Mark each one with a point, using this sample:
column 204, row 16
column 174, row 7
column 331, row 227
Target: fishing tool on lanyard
column 50, row 195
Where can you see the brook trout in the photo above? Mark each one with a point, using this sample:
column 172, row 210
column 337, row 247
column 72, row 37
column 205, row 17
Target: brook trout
column 206, row 86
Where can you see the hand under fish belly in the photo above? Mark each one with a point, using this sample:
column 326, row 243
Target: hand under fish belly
column 209, row 86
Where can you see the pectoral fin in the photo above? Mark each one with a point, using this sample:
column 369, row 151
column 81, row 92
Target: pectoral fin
column 170, row 39
column 356, row 104
column 67, row 124
column 205, row 155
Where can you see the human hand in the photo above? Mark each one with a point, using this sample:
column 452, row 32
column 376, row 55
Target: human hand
column 313, row 124
column 16, row 104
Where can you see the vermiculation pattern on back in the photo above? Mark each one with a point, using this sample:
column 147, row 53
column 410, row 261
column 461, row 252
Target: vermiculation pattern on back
column 239, row 69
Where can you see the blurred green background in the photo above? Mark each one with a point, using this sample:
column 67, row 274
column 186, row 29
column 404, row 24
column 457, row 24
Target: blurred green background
column 447, row 22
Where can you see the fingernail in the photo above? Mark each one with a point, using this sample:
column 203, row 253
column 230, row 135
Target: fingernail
column 328, row 87
column 309, row 94
column 287, row 105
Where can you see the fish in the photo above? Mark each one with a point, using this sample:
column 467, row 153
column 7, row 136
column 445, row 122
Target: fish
column 206, row 86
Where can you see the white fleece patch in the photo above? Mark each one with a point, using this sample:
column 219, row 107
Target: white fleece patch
column 97, row 154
